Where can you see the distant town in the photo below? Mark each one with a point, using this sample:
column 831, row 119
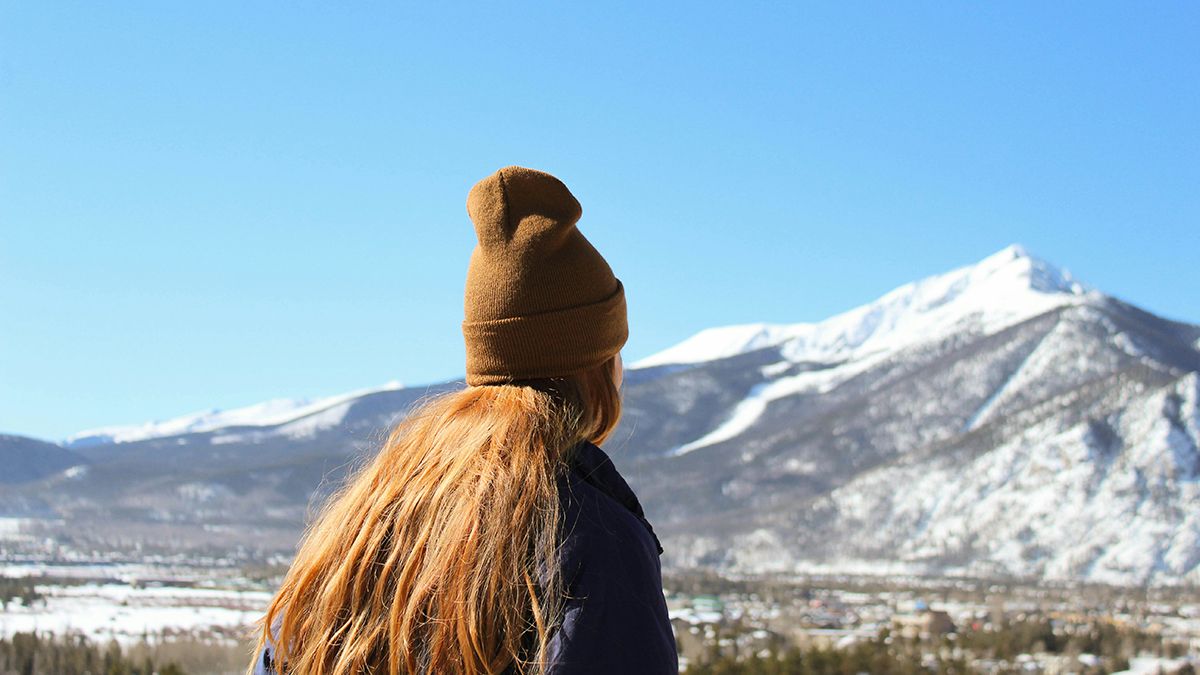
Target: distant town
column 847, row 624
column 197, row 617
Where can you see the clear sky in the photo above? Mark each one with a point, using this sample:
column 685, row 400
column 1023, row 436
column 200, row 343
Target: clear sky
column 212, row 204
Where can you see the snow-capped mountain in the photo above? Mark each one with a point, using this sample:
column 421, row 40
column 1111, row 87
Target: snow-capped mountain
column 998, row 420
column 1000, row 290
column 293, row 416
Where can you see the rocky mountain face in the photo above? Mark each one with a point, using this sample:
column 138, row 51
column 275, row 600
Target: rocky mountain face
column 999, row 420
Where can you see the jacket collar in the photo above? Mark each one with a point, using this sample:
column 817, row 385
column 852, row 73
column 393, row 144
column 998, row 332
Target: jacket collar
column 595, row 467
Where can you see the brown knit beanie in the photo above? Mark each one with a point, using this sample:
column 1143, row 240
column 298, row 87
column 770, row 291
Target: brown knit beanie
column 540, row 300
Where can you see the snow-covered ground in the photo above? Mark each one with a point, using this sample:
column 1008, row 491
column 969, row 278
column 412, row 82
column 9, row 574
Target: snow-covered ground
column 1152, row 665
column 127, row 614
column 128, row 601
column 10, row 528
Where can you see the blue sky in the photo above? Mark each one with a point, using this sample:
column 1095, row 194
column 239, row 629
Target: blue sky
column 212, row 204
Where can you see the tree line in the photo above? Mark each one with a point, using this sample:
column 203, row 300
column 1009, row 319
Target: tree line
column 50, row 654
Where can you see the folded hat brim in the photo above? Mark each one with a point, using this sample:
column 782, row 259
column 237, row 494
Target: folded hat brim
column 547, row 344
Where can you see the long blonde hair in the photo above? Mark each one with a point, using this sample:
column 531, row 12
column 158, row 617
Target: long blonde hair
column 431, row 557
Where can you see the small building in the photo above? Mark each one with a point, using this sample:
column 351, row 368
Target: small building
column 708, row 603
column 923, row 624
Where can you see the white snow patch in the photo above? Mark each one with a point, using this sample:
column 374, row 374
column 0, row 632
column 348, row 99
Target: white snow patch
column 226, row 439
column 10, row 528
column 77, row 471
column 307, row 427
column 775, row 369
column 717, row 343
column 749, row 409
column 1151, row 665
column 800, row 467
column 1128, row 345
column 202, row 492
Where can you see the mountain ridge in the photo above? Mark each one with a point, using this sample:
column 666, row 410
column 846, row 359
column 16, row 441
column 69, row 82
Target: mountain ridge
column 272, row 413
column 1042, row 286
column 999, row 420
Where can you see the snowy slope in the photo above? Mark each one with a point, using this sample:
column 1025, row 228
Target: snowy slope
column 1002, row 289
column 1111, row 500
column 301, row 415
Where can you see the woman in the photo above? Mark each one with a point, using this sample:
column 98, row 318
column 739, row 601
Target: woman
column 491, row 534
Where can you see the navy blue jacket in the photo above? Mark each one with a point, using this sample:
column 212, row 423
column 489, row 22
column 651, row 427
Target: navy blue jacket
column 615, row 619
column 616, row 615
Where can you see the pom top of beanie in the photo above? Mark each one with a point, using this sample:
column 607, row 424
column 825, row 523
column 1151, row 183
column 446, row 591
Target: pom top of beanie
column 540, row 300
column 500, row 203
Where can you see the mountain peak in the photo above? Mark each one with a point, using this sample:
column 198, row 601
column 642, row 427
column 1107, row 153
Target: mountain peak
column 1028, row 270
column 1004, row 288
column 1011, row 253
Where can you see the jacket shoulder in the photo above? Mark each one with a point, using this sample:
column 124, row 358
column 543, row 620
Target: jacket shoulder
column 594, row 484
column 615, row 619
column 599, row 530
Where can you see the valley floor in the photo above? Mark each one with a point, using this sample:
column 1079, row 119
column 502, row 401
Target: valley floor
column 990, row 626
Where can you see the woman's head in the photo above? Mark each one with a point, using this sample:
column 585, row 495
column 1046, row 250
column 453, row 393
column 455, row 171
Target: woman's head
column 439, row 554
